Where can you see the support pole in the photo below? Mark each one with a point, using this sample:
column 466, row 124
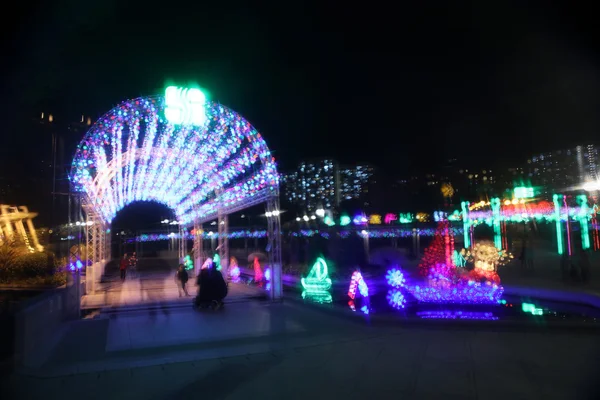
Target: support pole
column 557, row 220
column 223, row 238
column 274, row 237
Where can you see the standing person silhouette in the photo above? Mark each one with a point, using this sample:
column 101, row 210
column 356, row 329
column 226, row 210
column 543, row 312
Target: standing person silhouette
column 123, row 267
column 182, row 277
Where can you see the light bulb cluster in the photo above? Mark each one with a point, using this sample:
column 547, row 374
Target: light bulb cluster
column 133, row 153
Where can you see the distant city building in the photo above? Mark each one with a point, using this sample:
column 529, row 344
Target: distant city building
column 563, row 169
column 323, row 183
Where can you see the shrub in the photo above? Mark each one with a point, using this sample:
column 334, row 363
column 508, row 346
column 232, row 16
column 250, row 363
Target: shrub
column 31, row 268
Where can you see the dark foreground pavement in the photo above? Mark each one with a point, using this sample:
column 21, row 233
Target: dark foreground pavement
column 286, row 351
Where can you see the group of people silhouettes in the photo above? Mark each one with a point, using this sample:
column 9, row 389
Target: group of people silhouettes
column 212, row 288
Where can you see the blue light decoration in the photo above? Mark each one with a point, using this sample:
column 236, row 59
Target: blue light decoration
column 471, row 315
column 268, row 274
column 458, row 293
column 360, row 219
column 395, row 278
column 76, row 265
column 396, row 299
column 135, row 153
column 318, row 278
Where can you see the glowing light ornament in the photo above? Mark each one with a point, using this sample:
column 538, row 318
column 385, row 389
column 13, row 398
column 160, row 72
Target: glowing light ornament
column 317, row 296
column 208, row 263
column 357, row 281
column 345, row 220
column 318, row 278
column 396, row 299
column 364, row 309
column 258, row 273
column 134, row 153
column 217, row 262
column 188, row 263
column 395, row 278
column 185, row 106
column 472, row 315
column 234, row 270
column 459, row 293
column 532, row 309
column 389, row 218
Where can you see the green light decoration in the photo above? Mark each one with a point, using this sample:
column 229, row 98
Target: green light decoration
column 466, row 224
column 458, row 259
column 523, row 192
column 583, row 216
column 559, row 236
column 532, row 309
column 317, row 297
column 318, row 278
column 328, row 221
column 185, row 106
column 217, row 262
column 405, row 218
column 188, row 263
column 345, row 220
column 496, row 219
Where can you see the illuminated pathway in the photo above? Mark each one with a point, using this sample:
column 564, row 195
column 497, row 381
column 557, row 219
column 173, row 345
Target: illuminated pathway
column 153, row 285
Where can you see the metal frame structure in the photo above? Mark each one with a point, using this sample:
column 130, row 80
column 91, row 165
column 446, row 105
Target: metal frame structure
column 11, row 222
column 99, row 248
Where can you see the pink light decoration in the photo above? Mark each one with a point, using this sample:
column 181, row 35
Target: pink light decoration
column 357, row 281
column 389, row 218
column 258, row 273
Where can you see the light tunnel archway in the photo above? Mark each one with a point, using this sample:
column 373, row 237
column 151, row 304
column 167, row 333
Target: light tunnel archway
column 201, row 172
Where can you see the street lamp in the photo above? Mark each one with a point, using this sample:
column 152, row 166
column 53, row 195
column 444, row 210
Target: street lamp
column 593, row 186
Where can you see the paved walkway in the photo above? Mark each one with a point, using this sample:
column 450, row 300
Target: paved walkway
column 300, row 353
column 156, row 289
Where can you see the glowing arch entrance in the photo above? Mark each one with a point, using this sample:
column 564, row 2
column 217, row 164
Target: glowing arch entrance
column 202, row 168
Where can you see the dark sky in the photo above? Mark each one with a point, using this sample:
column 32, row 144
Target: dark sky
column 391, row 83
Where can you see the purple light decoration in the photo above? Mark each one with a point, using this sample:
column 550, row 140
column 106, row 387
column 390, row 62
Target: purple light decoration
column 395, row 278
column 234, row 273
column 471, row 293
column 396, row 299
column 473, row 315
column 72, row 267
column 268, row 274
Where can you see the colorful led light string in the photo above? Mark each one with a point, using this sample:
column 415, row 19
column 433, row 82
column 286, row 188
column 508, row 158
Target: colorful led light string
column 221, row 163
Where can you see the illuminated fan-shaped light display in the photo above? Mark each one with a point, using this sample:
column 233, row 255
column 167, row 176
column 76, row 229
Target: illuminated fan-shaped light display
column 193, row 165
column 357, row 282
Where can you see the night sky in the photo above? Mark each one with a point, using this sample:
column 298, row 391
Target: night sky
column 398, row 85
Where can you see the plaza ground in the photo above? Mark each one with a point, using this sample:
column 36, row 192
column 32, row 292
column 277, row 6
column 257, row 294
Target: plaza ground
column 256, row 349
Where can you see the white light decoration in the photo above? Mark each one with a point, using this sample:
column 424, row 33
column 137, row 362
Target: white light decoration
column 133, row 153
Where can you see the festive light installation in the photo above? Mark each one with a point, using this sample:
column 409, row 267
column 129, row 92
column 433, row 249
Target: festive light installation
column 532, row 309
column 486, row 258
column 258, row 272
column 234, row 269
column 217, row 262
column 208, row 263
column 459, row 259
column 396, row 299
column 440, row 249
column 185, row 106
column 389, row 218
column 345, row 220
column 318, row 278
column 357, row 281
column 395, row 278
column 134, row 153
column 317, row 296
column 473, row 315
column 459, row 293
column 188, row 263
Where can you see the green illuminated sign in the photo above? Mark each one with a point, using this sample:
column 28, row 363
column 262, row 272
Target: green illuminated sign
column 523, row 192
column 185, row 106
column 531, row 308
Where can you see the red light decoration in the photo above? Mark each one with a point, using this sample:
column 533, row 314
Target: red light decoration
column 439, row 251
